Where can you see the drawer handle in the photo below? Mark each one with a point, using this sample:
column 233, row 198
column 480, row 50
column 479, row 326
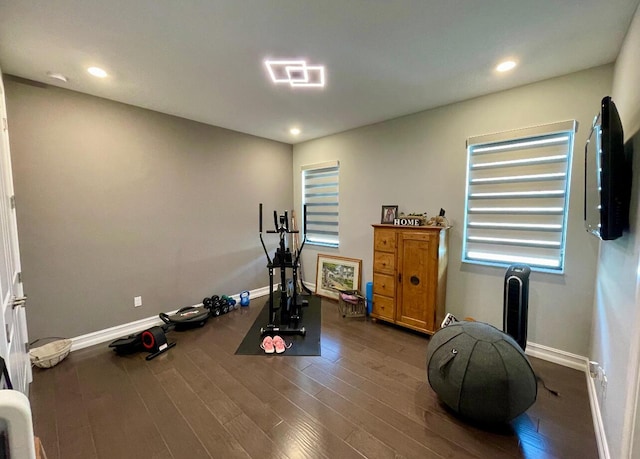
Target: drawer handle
column 415, row 280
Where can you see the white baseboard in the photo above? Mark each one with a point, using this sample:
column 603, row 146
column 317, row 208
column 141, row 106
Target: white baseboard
column 577, row 362
column 566, row 359
column 110, row 334
column 113, row 333
column 596, row 415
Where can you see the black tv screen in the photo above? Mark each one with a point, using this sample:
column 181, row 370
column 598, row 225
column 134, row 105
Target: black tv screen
column 607, row 178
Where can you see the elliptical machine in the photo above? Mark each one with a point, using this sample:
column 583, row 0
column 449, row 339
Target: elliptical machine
column 290, row 304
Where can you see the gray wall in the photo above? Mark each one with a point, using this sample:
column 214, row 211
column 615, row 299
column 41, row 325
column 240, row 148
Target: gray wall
column 419, row 163
column 616, row 341
column 116, row 201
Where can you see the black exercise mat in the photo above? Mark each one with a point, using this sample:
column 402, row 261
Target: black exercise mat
column 309, row 344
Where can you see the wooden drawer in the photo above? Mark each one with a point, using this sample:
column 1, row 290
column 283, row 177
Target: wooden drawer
column 384, row 284
column 384, row 262
column 385, row 240
column 383, row 307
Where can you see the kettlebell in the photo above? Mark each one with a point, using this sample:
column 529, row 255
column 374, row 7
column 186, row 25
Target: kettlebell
column 244, row 299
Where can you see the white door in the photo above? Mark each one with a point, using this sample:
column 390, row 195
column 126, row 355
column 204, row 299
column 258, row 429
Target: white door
column 13, row 322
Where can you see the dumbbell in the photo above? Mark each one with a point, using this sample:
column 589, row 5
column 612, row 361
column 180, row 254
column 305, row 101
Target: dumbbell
column 224, row 305
column 232, row 303
column 212, row 304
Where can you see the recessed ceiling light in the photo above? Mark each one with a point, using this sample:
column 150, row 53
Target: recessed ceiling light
column 294, row 131
column 506, row 66
column 97, row 72
column 296, row 73
column 57, row 76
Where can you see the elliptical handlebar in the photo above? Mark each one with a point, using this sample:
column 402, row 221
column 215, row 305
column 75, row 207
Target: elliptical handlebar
column 304, row 238
column 264, row 247
column 282, row 230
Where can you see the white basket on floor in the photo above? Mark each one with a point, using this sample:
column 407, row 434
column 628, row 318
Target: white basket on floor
column 50, row 354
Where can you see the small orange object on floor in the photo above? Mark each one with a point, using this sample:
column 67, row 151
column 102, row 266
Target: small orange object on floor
column 40, row 454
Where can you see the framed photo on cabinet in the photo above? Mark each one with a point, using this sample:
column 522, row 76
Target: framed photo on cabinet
column 389, row 214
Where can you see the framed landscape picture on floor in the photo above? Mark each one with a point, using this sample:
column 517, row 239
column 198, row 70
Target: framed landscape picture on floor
column 337, row 273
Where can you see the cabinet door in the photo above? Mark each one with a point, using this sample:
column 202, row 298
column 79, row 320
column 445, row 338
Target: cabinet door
column 417, row 279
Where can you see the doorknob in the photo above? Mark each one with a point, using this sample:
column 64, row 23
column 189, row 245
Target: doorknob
column 18, row 301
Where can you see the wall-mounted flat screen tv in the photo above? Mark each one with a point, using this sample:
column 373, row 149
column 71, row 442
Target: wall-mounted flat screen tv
column 607, row 175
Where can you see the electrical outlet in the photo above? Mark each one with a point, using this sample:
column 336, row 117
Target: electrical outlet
column 600, row 380
column 137, row 301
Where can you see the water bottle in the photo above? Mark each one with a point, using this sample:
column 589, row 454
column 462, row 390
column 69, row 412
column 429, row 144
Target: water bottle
column 369, row 296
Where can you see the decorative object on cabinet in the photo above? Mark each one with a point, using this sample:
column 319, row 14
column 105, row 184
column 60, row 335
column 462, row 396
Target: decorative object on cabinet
column 412, row 219
column 440, row 220
column 410, row 276
column 389, row 214
column 337, row 273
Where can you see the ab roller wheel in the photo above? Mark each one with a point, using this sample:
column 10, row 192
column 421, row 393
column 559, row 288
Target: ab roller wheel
column 152, row 340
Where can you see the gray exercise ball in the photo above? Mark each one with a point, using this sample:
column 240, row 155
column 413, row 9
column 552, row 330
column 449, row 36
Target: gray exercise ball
column 480, row 372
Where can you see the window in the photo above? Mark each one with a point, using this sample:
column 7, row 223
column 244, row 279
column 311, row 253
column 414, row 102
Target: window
column 320, row 195
column 517, row 197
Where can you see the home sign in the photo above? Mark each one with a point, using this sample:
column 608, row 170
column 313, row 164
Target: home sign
column 408, row 221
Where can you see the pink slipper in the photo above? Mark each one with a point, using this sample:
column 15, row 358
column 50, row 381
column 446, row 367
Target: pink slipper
column 267, row 345
column 280, row 344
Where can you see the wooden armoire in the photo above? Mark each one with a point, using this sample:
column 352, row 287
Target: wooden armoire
column 410, row 275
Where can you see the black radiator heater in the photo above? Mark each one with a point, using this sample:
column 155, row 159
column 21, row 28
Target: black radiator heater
column 516, row 303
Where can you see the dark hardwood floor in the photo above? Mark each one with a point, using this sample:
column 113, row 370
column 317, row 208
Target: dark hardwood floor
column 366, row 396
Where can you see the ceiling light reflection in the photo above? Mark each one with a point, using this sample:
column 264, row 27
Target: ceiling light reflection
column 506, row 66
column 97, row 72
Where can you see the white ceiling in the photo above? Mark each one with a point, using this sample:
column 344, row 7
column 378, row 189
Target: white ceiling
column 203, row 59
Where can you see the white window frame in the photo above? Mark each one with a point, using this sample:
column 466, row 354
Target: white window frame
column 517, row 197
column 321, row 193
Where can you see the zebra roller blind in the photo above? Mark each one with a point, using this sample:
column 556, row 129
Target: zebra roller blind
column 517, row 197
column 320, row 194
